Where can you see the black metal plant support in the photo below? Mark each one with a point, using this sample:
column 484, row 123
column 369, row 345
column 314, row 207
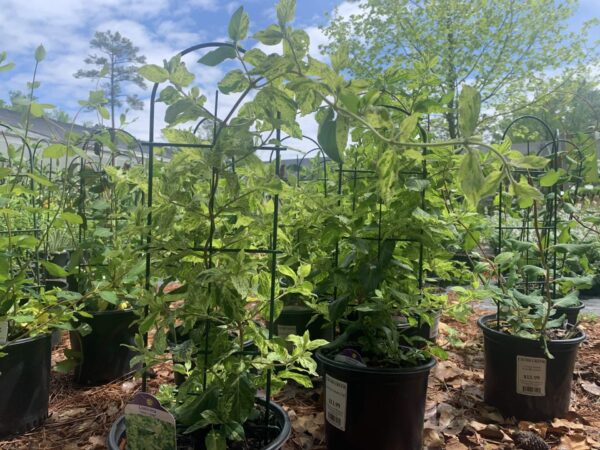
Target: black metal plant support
column 209, row 247
column 550, row 223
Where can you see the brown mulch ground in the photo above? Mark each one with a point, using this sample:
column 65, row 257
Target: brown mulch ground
column 456, row 417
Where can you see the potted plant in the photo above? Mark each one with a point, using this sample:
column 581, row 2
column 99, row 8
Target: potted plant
column 211, row 227
column 530, row 346
column 109, row 291
column 106, row 266
column 28, row 311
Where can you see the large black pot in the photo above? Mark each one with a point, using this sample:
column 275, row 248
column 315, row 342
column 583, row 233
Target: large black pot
column 572, row 313
column 369, row 408
column 295, row 320
column 24, row 384
column 103, row 355
column 520, row 380
column 278, row 418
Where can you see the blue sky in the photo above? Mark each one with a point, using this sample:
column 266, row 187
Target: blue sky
column 159, row 27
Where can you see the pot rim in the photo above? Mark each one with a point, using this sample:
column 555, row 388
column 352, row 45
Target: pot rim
column 110, row 312
column 482, row 324
column 579, row 306
column 27, row 340
column 427, row 366
column 284, row 434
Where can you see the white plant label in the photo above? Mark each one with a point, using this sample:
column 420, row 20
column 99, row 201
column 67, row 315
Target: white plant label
column 531, row 376
column 435, row 326
column 335, row 396
column 3, row 332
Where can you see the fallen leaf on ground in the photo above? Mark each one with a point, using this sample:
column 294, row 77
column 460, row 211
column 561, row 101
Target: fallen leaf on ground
column 592, row 388
column 573, row 442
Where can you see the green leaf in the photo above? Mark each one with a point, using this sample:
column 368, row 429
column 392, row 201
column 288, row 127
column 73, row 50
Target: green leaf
column 333, row 135
column 54, row 269
column 234, row 81
column 180, row 76
column 238, row 25
column 530, row 162
column 286, row 9
column 408, row 126
column 40, row 53
column 110, row 297
column 214, row 441
column 154, row 73
column 304, row 270
column 567, row 301
column 55, row 151
column 285, row 270
column 7, row 67
column 470, row 175
column 37, row 109
column 491, row 183
column 533, row 271
column 572, row 249
column 103, row 112
column 525, row 193
column 504, row 258
column 469, row 105
column 147, row 322
column 550, row 178
column 217, row 56
column 527, row 299
column 72, row 218
column 301, row 379
column 39, row 179
column 271, row 35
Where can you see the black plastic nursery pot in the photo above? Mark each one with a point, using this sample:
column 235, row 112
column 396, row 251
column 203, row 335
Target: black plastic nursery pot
column 572, row 313
column 295, row 320
column 369, row 408
column 103, row 355
column 278, row 418
column 520, row 380
column 24, row 384
column 593, row 291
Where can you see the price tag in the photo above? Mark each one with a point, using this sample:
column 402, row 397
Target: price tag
column 435, row 326
column 3, row 332
column 531, row 376
column 149, row 426
column 335, row 398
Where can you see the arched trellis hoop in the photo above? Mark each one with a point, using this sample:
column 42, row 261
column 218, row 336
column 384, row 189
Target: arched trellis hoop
column 300, row 161
column 209, row 248
column 549, row 226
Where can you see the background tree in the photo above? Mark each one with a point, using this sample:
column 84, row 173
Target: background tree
column 116, row 63
column 501, row 47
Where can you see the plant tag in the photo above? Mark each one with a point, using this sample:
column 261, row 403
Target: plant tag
column 335, row 397
column 435, row 326
column 531, row 376
column 149, row 426
column 3, row 332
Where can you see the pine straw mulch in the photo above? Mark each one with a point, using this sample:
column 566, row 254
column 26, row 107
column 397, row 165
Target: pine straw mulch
column 456, row 417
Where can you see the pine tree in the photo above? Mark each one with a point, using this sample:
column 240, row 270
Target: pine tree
column 116, row 63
